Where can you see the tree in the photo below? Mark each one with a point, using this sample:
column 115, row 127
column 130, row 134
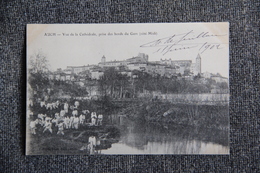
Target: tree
column 222, row 85
column 197, row 77
column 39, row 63
column 113, row 83
column 38, row 69
column 142, row 80
column 91, row 86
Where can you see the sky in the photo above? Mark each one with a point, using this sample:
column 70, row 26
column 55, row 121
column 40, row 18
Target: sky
column 82, row 44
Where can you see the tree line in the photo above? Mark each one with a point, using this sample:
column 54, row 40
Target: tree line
column 114, row 83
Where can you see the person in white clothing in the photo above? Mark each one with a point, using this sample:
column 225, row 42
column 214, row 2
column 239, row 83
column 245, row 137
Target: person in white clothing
column 47, row 125
column 55, row 121
column 82, row 118
column 71, row 122
column 41, row 119
column 60, row 128
column 76, row 104
column 57, row 104
column 92, row 143
column 33, row 126
column 49, row 106
column 31, row 102
column 91, row 148
column 66, row 122
column 100, row 119
column 93, row 118
column 62, row 113
column 66, row 107
column 76, row 123
column 57, row 115
column 54, row 105
column 40, row 116
column 75, row 112
column 42, row 103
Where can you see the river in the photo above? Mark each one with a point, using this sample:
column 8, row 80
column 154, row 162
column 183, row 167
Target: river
column 143, row 138
column 125, row 136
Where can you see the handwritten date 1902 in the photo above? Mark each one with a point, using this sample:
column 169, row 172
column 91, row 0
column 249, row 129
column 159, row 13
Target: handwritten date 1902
column 209, row 46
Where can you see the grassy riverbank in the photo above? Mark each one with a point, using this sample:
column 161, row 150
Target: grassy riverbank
column 74, row 141
column 202, row 116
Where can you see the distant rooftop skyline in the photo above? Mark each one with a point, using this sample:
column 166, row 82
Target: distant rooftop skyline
column 63, row 51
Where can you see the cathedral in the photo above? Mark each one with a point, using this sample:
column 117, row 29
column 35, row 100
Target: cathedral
column 185, row 66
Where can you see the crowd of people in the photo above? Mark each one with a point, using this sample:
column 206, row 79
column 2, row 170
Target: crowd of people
column 61, row 116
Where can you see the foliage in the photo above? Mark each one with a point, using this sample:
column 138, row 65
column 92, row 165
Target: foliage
column 68, row 88
column 38, row 63
column 42, row 86
column 116, row 85
column 113, row 83
column 38, row 83
column 204, row 116
column 38, row 77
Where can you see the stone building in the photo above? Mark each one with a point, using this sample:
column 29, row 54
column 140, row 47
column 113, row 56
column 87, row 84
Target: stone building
column 196, row 67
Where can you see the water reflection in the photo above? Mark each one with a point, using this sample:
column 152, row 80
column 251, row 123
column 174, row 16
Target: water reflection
column 141, row 138
column 191, row 147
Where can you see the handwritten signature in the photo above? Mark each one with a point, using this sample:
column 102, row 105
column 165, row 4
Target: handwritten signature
column 184, row 41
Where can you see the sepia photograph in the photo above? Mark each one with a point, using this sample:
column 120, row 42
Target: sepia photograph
column 136, row 89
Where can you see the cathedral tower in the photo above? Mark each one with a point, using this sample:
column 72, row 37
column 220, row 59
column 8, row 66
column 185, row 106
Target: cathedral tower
column 198, row 64
column 103, row 59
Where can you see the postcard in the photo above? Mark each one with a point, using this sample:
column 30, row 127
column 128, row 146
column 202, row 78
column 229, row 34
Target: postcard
column 146, row 88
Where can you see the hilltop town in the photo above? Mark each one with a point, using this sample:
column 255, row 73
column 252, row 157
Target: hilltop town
column 133, row 77
column 165, row 67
